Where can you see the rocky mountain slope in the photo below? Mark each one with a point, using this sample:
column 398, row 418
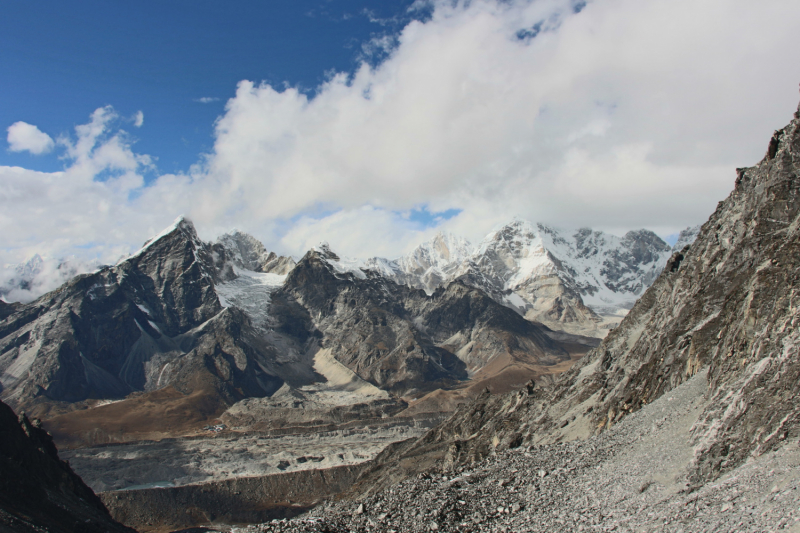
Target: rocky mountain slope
column 725, row 305
column 630, row 478
column 150, row 321
column 405, row 341
column 38, row 491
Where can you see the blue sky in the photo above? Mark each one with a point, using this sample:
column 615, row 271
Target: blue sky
column 61, row 60
column 372, row 125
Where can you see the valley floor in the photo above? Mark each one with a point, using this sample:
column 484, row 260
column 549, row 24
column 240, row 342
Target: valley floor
column 230, row 454
column 631, row 477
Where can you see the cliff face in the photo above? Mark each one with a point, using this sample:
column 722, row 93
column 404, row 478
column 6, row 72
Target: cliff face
column 728, row 303
column 37, row 490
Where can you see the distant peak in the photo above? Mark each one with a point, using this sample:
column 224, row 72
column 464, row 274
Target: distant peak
column 324, row 250
column 181, row 224
column 237, row 235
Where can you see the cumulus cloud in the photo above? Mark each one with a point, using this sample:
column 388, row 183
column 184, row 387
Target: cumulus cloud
column 206, row 99
column 98, row 206
column 27, row 137
column 619, row 115
column 138, row 119
column 610, row 117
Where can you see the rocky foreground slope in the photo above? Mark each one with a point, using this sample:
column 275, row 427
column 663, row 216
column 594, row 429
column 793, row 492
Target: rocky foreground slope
column 631, row 478
column 685, row 418
column 39, row 492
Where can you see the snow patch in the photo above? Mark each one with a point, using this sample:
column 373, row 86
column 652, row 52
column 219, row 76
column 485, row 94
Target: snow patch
column 250, row 291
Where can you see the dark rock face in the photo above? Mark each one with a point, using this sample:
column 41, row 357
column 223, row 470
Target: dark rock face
column 402, row 340
column 728, row 303
column 7, row 309
column 40, row 492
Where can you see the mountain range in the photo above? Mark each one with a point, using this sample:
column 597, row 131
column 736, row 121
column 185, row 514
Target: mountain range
column 186, row 324
column 580, row 281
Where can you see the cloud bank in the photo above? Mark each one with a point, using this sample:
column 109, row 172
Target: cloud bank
column 617, row 114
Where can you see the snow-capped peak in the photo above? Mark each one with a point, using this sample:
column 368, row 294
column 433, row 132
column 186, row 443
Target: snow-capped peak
column 443, row 252
column 182, row 224
column 686, row 237
column 604, row 269
column 342, row 265
column 428, row 266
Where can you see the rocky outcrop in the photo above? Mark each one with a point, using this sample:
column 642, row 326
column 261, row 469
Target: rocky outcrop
column 7, row 309
column 38, row 491
column 728, row 303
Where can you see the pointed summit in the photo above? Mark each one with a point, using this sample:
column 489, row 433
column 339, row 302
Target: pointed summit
column 182, row 226
column 324, row 250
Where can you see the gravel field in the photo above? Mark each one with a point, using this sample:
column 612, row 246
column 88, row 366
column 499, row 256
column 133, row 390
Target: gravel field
column 629, row 478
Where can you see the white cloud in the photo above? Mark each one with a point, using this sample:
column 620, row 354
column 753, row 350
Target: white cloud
column 138, row 119
column 628, row 114
column 206, row 99
column 27, row 137
column 23, row 283
column 97, row 207
column 362, row 232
